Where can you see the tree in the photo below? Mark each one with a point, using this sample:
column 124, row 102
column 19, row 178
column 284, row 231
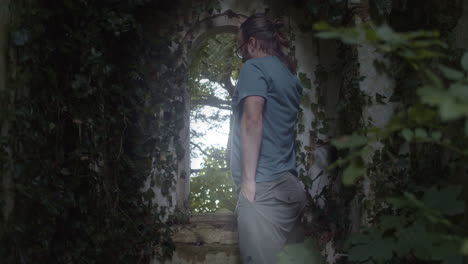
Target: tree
column 212, row 76
column 212, row 187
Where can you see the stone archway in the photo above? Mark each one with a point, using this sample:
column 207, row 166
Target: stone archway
column 309, row 58
column 212, row 238
column 209, row 237
column 227, row 22
column 187, row 42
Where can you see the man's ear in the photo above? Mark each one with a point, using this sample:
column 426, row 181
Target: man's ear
column 253, row 42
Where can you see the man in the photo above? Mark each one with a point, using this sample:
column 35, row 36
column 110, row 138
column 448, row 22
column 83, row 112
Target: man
column 263, row 165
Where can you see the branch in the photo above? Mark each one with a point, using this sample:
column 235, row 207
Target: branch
column 221, row 77
column 216, row 157
column 200, row 148
column 212, row 101
column 226, row 80
column 192, row 171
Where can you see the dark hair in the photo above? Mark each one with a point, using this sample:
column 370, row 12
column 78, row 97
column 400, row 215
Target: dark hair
column 269, row 37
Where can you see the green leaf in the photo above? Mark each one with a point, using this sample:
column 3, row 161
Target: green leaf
column 380, row 249
column 359, row 253
column 387, row 34
column 421, row 114
column 380, row 98
column 328, row 35
column 392, row 222
column 420, row 133
column 353, row 172
column 352, row 141
column 444, row 200
column 299, row 253
column 415, row 238
column 383, row 249
column 431, row 95
column 436, row 135
column 436, row 81
column 398, row 202
column 464, row 61
column 450, row 73
column 449, row 109
column 321, row 26
column 305, row 81
column 466, row 127
column 459, row 90
column 358, row 238
column 407, row 134
column 464, row 247
column 448, row 252
column 149, row 194
column 412, row 200
column 305, row 100
column 322, row 130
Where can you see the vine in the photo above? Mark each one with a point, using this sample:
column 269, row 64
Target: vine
column 87, row 122
column 409, row 222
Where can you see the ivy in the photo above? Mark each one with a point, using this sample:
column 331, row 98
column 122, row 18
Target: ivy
column 412, row 235
column 419, row 221
column 87, row 123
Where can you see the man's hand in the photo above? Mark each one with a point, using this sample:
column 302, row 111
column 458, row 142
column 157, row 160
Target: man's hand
column 248, row 188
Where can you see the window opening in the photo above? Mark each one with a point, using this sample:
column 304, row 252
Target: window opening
column 213, row 75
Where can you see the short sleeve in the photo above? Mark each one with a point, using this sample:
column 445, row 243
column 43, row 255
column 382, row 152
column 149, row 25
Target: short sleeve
column 251, row 81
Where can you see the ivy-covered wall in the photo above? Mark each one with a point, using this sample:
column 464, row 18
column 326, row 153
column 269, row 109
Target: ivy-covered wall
column 6, row 178
column 93, row 113
column 389, row 78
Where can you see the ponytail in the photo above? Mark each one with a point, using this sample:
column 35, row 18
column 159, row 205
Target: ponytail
column 269, row 37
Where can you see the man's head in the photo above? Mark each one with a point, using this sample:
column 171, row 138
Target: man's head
column 258, row 36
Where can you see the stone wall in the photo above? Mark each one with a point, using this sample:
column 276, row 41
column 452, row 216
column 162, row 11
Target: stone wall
column 215, row 241
column 212, row 238
column 208, row 238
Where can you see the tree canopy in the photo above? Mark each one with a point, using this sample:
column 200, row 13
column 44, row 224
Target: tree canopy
column 212, row 76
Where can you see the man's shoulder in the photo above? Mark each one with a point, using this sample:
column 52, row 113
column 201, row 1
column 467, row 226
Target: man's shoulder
column 253, row 67
column 252, row 64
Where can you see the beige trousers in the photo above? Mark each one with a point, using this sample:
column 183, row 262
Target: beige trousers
column 271, row 220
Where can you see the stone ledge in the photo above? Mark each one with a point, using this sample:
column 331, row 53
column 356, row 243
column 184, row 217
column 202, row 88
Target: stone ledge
column 213, row 253
column 227, row 217
column 209, row 228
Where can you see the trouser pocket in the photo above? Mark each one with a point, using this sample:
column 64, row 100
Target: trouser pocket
column 289, row 196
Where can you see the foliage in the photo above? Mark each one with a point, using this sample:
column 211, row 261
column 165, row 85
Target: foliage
column 301, row 253
column 216, row 62
column 425, row 223
column 421, row 229
column 213, row 69
column 212, row 187
column 211, row 73
column 306, row 12
column 87, row 122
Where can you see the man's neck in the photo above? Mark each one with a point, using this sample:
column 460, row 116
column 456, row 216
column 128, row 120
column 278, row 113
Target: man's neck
column 261, row 54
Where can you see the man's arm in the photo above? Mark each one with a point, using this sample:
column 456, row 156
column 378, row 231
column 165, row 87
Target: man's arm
column 251, row 130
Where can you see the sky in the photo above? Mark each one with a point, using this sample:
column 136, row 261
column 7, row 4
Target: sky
column 213, row 137
column 216, row 138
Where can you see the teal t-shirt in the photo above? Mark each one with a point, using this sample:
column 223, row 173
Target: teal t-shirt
column 270, row 78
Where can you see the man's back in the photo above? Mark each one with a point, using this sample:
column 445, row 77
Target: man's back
column 270, row 78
